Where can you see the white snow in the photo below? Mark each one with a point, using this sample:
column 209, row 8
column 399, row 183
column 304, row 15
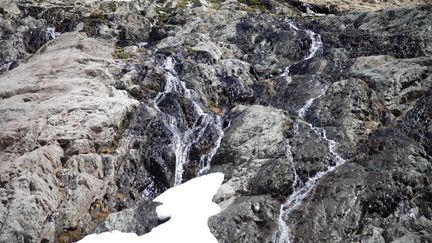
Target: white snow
column 188, row 206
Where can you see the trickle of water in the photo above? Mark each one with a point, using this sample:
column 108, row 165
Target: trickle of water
column 283, row 230
column 182, row 141
column 315, row 46
column 302, row 190
column 302, row 111
column 206, row 159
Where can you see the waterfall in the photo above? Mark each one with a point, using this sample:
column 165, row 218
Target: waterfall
column 183, row 140
column 301, row 190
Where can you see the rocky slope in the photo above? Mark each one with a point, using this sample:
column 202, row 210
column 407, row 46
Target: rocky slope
column 318, row 115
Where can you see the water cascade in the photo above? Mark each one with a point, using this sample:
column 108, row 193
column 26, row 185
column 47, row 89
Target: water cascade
column 183, row 139
column 301, row 190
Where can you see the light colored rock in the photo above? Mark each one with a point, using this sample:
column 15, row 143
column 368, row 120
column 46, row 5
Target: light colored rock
column 257, row 132
column 209, row 47
column 51, row 108
column 9, row 7
column 255, row 137
column 87, row 163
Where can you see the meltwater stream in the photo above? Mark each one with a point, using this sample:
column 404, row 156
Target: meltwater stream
column 302, row 190
column 182, row 141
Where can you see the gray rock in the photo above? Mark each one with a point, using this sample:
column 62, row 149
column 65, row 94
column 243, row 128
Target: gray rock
column 49, row 165
column 249, row 219
column 139, row 220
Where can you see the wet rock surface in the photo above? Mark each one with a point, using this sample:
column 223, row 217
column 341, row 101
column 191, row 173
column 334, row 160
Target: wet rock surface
column 99, row 101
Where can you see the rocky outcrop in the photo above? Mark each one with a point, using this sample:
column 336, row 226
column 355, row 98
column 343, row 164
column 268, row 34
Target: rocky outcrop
column 61, row 118
column 99, row 101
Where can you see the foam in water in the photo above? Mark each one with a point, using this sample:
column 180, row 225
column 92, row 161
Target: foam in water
column 182, row 141
column 301, row 191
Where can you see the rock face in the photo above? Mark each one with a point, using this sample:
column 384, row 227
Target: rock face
column 296, row 101
column 60, row 116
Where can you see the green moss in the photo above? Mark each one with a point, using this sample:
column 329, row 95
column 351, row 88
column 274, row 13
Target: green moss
column 183, row 3
column 215, row 4
column 119, row 53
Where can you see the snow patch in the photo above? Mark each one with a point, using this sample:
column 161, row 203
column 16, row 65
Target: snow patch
column 188, row 206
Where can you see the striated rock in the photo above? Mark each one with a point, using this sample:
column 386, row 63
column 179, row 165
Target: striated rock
column 50, row 172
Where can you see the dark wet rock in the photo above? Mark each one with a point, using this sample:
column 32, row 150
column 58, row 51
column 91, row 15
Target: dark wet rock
column 147, row 168
column 157, row 33
column 250, row 219
column 273, row 178
column 273, row 45
column 417, row 122
column 35, row 39
column 380, row 193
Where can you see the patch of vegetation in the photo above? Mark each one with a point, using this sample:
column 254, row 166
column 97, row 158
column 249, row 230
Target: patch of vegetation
column 110, row 149
column 164, row 14
column 120, row 130
column 163, row 18
column 215, row 4
column 120, row 53
column 214, row 107
column 98, row 16
column 69, row 235
column 255, row 4
column 99, row 211
column 183, row 3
